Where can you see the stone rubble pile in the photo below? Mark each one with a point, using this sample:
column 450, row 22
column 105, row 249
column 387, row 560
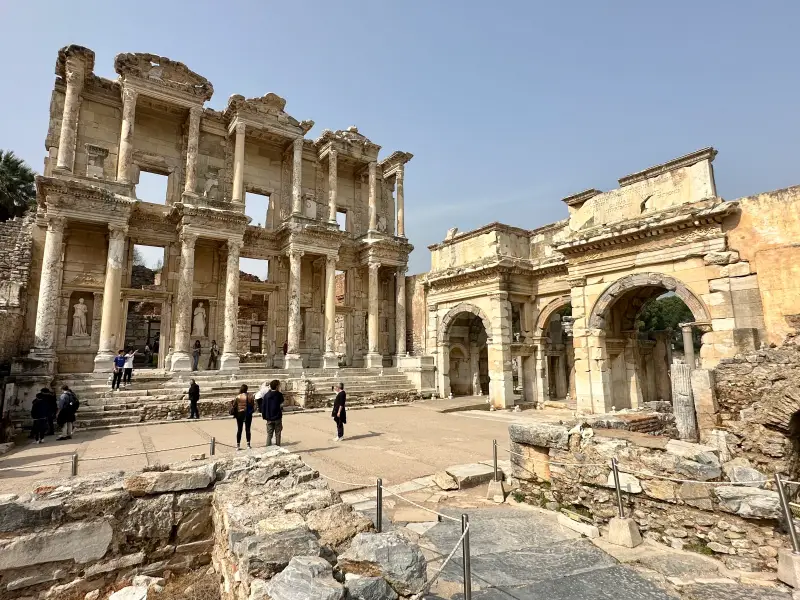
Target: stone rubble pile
column 266, row 522
column 739, row 523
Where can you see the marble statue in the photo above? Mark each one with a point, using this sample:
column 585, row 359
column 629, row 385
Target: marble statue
column 199, row 321
column 79, row 311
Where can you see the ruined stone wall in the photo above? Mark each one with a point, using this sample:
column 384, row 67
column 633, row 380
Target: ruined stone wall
column 766, row 233
column 416, row 314
column 16, row 251
column 666, row 489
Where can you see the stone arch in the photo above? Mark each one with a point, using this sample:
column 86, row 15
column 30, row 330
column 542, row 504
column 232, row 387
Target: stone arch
column 460, row 309
column 551, row 307
column 645, row 282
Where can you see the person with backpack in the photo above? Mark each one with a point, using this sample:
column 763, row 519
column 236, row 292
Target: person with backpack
column 68, row 405
column 40, row 411
column 242, row 409
column 119, row 366
column 194, row 397
column 272, row 412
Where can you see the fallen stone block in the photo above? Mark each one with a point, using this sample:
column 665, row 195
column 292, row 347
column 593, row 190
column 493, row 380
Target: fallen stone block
column 305, row 578
column 789, row 567
column 81, row 542
column 540, row 434
column 158, row 482
column 336, row 525
column 627, row 483
column 496, row 491
column 130, row 593
column 266, row 554
column 15, row 516
column 590, row 531
column 368, row 588
column 445, row 481
column 123, row 562
column 748, row 502
column 624, row 532
column 386, row 555
column 470, row 475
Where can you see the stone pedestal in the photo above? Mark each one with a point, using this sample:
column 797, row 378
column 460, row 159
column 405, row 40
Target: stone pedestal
column 330, row 361
column 292, row 361
column 373, row 360
column 788, row 567
column 496, row 491
column 624, row 532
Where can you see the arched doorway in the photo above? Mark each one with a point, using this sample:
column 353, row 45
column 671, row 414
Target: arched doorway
column 555, row 353
column 630, row 365
column 464, row 368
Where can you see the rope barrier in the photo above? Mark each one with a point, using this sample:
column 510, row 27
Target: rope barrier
column 63, row 462
column 82, row 459
column 448, row 517
column 562, row 464
column 427, row 586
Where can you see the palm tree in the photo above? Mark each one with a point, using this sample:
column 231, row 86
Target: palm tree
column 17, row 189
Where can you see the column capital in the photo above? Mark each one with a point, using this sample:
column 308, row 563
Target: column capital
column 56, row 223
column 295, row 254
column 332, row 154
column 374, row 265
column 576, row 282
column 75, row 73
column 240, row 128
column 331, row 260
column 235, row 244
column 400, row 172
column 129, row 95
column 188, row 238
column 117, row 232
column 401, row 271
column 195, row 112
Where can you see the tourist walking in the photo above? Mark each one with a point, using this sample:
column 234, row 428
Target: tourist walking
column 242, row 409
column 339, row 413
column 127, row 371
column 196, row 351
column 40, row 411
column 272, row 412
column 50, row 402
column 67, row 407
column 119, row 366
column 213, row 355
column 194, row 397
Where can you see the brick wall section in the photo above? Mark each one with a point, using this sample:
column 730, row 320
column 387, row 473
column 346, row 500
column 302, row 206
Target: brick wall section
column 16, row 249
column 416, row 313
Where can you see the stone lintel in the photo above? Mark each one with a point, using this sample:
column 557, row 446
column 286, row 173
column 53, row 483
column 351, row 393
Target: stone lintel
column 678, row 163
column 577, row 200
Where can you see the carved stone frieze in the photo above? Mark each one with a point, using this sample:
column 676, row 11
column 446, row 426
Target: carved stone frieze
column 163, row 72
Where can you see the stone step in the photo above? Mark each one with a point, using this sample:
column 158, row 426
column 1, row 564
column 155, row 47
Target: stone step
column 82, row 423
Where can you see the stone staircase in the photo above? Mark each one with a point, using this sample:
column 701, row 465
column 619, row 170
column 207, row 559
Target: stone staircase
column 158, row 395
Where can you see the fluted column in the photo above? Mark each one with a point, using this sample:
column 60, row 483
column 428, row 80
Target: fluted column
column 191, row 150
column 373, row 200
column 329, row 360
column 75, row 73
column 238, row 164
column 230, row 353
column 400, row 193
column 49, row 290
column 126, row 135
column 112, row 303
column 181, row 360
column 297, row 177
column 373, row 358
column 333, row 184
column 293, row 360
column 400, row 311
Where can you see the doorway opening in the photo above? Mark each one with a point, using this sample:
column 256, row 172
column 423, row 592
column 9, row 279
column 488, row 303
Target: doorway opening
column 152, row 187
column 256, row 206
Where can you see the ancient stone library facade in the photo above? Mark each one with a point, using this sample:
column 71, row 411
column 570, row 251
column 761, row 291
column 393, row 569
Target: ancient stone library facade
column 103, row 135
column 550, row 313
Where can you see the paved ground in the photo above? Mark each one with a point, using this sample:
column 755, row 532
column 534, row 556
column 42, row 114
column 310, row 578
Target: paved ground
column 397, row 443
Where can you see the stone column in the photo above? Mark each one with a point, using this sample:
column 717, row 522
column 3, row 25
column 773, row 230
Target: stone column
column 293, row 360
column 333, row 184
column 110, row 341
column 230, row 354
column 297, row 177
column 75, row 72
column 400, row 311
column 181, row 359
column 373, row 197
column 521, row 378
column 238, row 165
column 499, row 352
column 191, row 150
column 126, row 135
column 49, row 290
column 401, row 215
column 329, row 360
column 688, row 346
column 373, row 357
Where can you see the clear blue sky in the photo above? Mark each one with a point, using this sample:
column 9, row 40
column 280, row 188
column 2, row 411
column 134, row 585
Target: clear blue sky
column 507, row 106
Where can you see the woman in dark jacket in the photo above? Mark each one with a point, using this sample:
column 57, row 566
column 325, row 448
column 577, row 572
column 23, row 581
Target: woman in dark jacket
column 194, row 396
column 242, row 409
column 339, row 413
column 40, row 411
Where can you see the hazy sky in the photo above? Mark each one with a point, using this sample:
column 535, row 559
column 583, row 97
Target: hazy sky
column 507, row 106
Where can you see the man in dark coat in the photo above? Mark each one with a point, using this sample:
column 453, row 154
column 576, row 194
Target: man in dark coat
column 50, row 407
column 339, row 412
column 39, row 414
column 272, row 411
column 194, row 397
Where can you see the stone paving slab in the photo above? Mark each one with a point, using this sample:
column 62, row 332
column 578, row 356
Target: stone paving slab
column 471, row 474
column 721, row 591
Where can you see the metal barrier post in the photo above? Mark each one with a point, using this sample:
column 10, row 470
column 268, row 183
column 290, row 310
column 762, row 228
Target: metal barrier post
column 615, row 470
column 465, row 556
column 74, row 464
column 494, row 452
column 379, row 506
column 787, row 512
column 212, row 445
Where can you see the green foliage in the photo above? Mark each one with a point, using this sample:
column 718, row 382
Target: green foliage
column 17, row 189
column 138, row 258
column 664, row 313
column 699, row 548
column 518, row 496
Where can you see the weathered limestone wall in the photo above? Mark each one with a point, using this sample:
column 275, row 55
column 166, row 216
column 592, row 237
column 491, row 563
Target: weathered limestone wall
column 738, row 523
column 87, row 533
column 480, row 245
column 16, row 253
column 766, row 234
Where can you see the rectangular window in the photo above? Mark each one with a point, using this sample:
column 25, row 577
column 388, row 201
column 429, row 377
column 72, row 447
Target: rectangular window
column 152, row 187
column 341, row 219
column 256, row 206
column 255, row 338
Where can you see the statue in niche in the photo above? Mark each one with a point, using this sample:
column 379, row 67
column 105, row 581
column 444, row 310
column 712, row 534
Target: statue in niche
column 211, row 186
column 199, row 321
column 382, row 224
column 79, row 311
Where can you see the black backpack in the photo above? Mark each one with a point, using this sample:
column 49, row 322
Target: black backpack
column 72, row 402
